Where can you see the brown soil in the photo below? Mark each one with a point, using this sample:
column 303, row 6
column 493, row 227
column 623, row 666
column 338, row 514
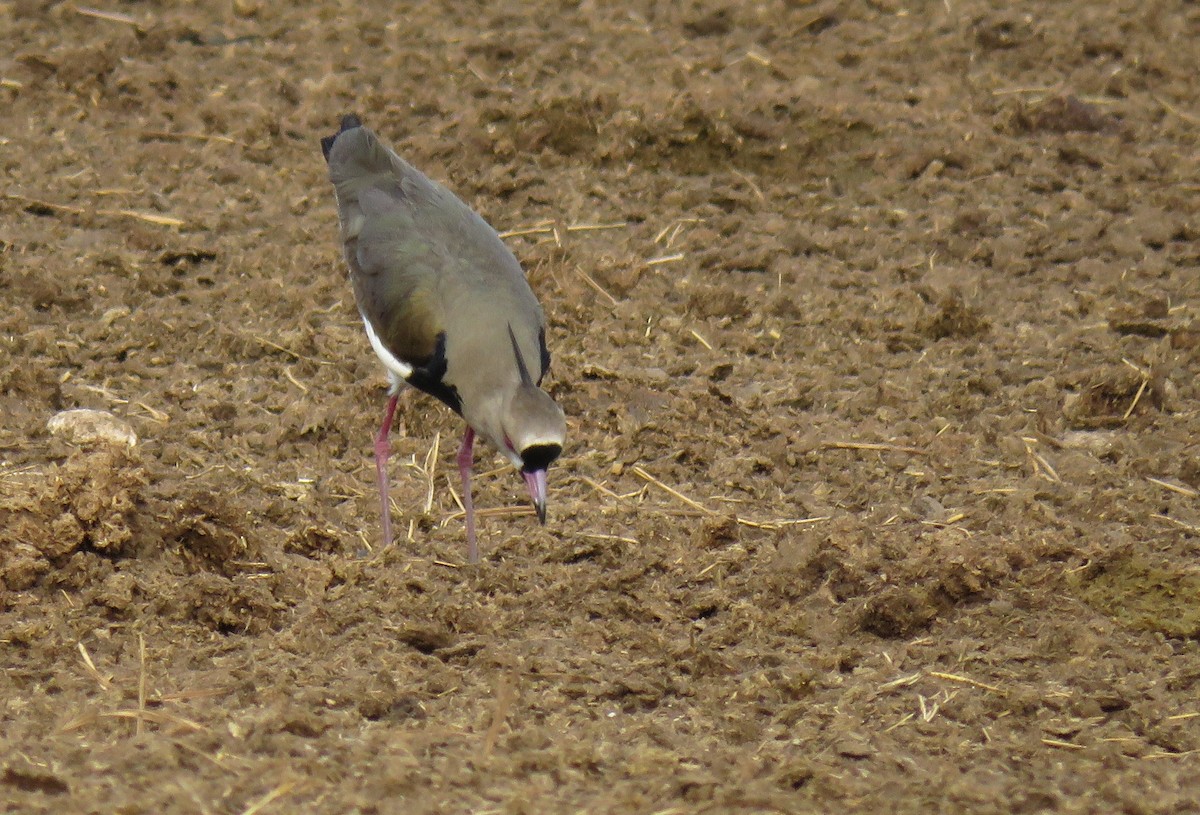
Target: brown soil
column 903, row 300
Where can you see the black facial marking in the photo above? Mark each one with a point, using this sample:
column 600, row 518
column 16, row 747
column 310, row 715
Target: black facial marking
column 539, row 456
column 427, row 376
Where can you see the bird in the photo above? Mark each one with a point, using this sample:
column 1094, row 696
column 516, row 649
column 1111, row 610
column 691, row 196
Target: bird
column 447, row 309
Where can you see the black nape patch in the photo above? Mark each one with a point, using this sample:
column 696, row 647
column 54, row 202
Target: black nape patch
column 539, row 456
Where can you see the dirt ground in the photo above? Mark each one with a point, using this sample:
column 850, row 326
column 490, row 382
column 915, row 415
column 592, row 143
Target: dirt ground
column 877, row 327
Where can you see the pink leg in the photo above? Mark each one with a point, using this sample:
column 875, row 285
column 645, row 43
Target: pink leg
column 382, row 448
column 466, row 457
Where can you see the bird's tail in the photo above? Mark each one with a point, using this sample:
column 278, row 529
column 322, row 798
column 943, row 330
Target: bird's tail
column 349, row 122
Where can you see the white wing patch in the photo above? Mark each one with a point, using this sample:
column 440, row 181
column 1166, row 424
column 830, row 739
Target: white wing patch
column 398, row 371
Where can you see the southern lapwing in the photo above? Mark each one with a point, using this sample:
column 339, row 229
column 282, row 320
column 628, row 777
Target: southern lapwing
column 447, row 310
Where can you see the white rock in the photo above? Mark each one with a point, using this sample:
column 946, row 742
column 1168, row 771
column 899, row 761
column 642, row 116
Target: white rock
column 1096, row 442
column 83, row 426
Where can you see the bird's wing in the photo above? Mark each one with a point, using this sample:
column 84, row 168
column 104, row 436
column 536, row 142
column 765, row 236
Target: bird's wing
column 433, row 280
column 393, row 263
column 395, row 272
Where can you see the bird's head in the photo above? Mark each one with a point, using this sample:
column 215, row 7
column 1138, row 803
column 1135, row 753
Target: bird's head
column 534, row 432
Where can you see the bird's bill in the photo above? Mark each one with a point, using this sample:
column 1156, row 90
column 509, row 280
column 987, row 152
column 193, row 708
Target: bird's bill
column 536, row 482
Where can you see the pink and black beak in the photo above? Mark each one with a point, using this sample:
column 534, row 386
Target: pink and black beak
column 536, row 481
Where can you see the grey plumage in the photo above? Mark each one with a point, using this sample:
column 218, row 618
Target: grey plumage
column 446, row 306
